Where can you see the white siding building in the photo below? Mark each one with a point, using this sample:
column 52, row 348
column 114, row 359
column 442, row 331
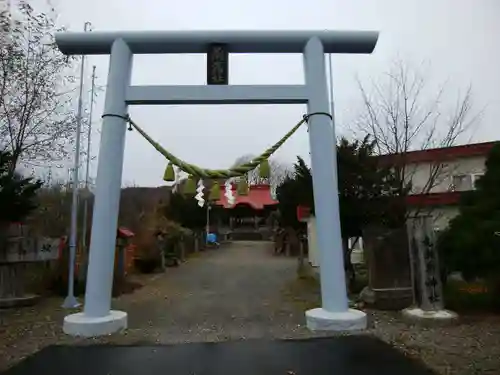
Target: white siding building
column 437, row 176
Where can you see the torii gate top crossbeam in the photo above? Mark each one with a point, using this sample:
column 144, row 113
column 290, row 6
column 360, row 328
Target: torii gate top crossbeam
column 179, row 42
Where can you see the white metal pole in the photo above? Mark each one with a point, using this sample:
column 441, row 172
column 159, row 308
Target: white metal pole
column 83, row 270
column 107, row 199
column 325, row 186
column 334, row 313
column 70, row 301
column 330, row 74
column 87, row 171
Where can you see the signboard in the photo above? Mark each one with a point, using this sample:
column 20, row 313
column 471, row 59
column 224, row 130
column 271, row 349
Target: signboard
column 29, row 249
column 217, row 64
column 303, row 213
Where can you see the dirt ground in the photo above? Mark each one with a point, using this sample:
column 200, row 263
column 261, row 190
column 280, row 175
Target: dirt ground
column 242, row 291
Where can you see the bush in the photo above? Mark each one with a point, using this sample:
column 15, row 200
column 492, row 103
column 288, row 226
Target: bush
column 151, row 249
column 461, row 296
column 58, row 285
column 471, row 243
column 147, row 265
column 38, row 277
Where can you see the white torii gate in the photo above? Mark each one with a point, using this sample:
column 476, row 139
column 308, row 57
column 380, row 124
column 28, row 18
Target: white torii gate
column 97, row 317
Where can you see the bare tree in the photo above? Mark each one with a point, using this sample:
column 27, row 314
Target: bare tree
column 278, row 170
column 402, row 114
column 37, row 121
column 405, row 112
column 53, row 213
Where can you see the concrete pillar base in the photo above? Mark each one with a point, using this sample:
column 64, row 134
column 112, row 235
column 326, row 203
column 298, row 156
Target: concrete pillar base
column 80, row 324
column 321, row 320
column 436, row 317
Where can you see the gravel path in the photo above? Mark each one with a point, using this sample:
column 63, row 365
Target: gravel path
column 238, row 292
column 235, row 292
column 230, row 293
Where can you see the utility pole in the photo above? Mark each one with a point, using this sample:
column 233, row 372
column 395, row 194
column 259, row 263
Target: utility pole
column 70, row 301
column 49, row 177
column 87, row 172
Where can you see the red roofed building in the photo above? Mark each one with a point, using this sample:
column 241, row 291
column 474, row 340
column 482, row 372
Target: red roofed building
column 249, row 215
column 258, row 198
column 457, row 167
column 450, row 170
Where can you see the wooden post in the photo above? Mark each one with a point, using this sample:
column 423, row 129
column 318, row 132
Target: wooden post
column 182, row 245
column 300, row 266
column 160, row 244
column 163, row 263
column 196, row 242
column 120, row 254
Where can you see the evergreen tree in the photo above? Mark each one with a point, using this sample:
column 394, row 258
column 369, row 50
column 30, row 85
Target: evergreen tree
column 366, row 190
column 366, row 193
column 295, row 190
column 17, row 200
column 17, row 194
column 471, row 243
column 186, row 212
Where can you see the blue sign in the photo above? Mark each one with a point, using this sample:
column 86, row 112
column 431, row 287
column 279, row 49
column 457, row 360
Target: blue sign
column 211, row 238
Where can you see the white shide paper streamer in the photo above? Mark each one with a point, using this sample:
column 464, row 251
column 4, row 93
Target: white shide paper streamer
column 229, row 193
column 199, row 193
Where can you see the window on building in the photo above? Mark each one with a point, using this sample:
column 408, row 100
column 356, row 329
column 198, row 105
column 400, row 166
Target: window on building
column 462, row 182
column 476, row 177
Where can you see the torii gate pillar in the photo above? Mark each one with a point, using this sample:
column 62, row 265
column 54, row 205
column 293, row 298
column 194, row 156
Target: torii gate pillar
column 97, row 317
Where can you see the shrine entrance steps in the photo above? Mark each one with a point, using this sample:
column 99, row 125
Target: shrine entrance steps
column 250, row 235
column 245, row 236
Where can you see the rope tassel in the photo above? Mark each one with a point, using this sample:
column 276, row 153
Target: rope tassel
column 265, row 169
column 215, row 192
column 242, row 186
column 190, row 186
column 169, row 174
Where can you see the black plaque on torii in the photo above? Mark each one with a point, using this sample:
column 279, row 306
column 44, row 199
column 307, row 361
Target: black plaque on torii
column 217, row 64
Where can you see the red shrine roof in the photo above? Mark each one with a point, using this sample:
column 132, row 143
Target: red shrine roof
column 123, row 232
column 258, row 197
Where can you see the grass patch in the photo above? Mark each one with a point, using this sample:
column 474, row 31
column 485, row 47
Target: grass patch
column 303, row 292
column 306, row 288
column 195, row 254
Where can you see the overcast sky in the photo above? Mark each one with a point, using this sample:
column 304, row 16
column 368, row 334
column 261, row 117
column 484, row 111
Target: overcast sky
column 457, row 39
